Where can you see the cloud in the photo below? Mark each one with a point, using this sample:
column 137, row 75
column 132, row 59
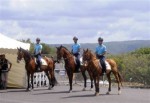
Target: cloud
column 57, row 21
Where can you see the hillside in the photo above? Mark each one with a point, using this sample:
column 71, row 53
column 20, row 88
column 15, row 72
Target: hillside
column 114, row 47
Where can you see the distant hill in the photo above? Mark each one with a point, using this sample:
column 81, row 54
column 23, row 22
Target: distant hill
column 113, row 47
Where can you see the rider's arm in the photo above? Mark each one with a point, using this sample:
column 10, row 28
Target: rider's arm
column 40, row 50
column 79, row 48
column 10, row 65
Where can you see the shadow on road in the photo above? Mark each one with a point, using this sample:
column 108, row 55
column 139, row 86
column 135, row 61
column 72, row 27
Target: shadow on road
column 57, row 92
column 87, row 95
column 16, row 91
column 52, row 92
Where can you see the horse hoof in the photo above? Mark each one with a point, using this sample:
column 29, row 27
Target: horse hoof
column 84, row 89
column 96, row 94
column 119, row 92
column 27, row 90
column 91, row 89
column 108, row 93
column 49, row 88
column 70, row 91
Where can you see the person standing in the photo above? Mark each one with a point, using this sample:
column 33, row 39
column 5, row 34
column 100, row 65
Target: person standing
column 37, row 53
column 0, row 71
column 5, row 68
column 100, row 54
column 76, row 52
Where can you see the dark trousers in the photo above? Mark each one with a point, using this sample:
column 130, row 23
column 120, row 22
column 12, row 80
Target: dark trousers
column 77, row 55
column 0, row 80
column 103, row 64
column 38, row 59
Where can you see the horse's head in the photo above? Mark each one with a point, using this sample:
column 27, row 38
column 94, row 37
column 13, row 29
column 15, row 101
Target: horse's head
column 59, row 53
column 20, row 54
column 87, row 55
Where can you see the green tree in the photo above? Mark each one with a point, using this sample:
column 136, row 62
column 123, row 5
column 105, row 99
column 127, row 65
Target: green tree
column 47, row 50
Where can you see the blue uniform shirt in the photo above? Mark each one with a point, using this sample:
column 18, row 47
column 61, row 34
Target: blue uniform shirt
column 37, row 48
column 75, row 48
column 100, row 49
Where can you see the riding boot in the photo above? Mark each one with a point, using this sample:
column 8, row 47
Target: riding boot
column 38, row 66
column 103, row 66
column 77, row 66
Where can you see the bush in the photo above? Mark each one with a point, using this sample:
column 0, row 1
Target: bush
column 135, row 66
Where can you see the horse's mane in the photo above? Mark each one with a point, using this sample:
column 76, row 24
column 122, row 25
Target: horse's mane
column 64, row 48
column 93, row 55
column 28, row 54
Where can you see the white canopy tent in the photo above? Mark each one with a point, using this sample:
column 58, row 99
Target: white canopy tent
column 17, row 74
column 9, row 43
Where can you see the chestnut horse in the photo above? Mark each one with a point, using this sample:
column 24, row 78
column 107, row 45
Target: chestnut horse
column 94, row 65
column 70, row 65
column 30, row 66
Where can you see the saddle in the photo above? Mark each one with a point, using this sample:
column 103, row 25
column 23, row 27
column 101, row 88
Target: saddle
column 108, row 67
column 42, row 62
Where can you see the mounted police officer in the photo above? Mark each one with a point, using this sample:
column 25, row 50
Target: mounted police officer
column 76, row 52
column 37, row 53
column 100, row 53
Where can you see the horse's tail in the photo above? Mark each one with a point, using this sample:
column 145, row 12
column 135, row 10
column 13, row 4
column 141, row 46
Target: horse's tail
column 120, row 78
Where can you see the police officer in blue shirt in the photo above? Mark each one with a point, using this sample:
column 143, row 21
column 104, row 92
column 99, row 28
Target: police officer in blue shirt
column 100, row 53
column 37, row 52
column 76, row 52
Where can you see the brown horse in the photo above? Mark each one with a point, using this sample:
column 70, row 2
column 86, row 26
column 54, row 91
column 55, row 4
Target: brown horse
column 93, row 63
column 30, row 66
column 70, row 65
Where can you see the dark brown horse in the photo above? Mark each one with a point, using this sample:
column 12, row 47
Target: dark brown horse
column 70, row 65
column 30, row 66
column 93, row 64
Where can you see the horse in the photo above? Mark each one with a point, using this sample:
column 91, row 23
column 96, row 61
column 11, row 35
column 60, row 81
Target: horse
column 94, row 65
column 63, row 52
column 30, row 66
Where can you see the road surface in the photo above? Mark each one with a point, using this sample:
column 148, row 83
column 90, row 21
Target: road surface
column 60, row 95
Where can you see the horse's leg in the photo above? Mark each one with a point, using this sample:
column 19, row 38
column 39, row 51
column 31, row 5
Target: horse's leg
column 48, row 76
column 52, row 78
column 118, row 81
column 97, row 85
column 70, row 76
column 32, row 80
column 91, row 78
column 84, row 77
column 109, row 80
column 28, row 79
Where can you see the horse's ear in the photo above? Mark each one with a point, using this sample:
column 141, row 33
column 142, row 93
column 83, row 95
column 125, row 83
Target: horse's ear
column 18, row 48
column 83, row 50
column 87, row 49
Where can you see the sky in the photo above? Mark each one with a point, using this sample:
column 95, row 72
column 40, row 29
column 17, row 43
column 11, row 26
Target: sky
column 58, row 21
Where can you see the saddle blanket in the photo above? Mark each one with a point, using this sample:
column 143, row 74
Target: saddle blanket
column 43, row 62
column 108, row 67
column 79, row 59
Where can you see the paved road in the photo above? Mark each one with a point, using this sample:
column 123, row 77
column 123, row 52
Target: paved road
column 60, row 95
